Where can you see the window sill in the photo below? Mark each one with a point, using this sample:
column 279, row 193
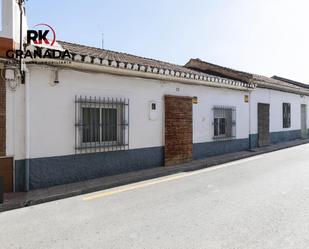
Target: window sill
column 221, row 138
column 101, row 148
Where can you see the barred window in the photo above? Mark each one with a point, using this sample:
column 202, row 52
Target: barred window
column 101, row 124
column 286, row 110
column 224, row 122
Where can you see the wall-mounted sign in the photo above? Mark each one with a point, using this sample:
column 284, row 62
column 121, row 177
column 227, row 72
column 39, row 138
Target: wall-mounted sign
column 246, row 98
column 194, row 100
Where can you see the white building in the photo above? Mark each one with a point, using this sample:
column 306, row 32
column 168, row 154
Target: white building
column 104, row 113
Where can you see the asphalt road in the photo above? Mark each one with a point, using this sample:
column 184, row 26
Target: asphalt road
column 260, row 202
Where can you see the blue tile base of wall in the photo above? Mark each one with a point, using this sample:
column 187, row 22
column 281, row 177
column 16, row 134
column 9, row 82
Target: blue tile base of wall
column 203, row 150
column 277, row 137
column 51, row 171
column 284, row 136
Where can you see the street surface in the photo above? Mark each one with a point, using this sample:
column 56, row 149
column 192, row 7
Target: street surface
column 259, row 202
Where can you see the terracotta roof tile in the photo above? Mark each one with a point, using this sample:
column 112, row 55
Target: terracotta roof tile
column 259, row 80
column 126, row 58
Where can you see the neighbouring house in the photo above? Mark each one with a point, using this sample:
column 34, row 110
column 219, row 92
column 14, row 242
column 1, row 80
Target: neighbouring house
column 278, row 107
column 103, row 113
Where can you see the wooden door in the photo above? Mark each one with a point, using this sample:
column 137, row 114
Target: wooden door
column 263, row 124
column 6, row 171
column 178, row 130
column 304, row 130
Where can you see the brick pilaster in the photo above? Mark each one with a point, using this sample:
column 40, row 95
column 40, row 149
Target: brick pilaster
column 5, row 45
column 178, row 130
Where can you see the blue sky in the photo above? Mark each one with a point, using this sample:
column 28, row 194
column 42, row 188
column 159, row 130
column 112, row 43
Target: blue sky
column 262, row 36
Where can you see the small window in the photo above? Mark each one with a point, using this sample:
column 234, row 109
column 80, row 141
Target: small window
column 224, row 122
column 286, row 110
column 101, row 124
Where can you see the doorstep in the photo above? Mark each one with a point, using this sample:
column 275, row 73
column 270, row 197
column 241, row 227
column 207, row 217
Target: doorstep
column 34, row 197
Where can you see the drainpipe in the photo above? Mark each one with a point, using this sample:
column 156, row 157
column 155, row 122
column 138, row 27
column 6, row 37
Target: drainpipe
column 21, row 3
column 24, row 74
column 27, row 130
column 250, row 146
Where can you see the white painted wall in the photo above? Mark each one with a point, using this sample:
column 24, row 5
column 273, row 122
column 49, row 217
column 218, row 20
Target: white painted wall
column 6, row 29
column 203, row 114
column 52, row 109
column 276, row 99
column 15, row 119
column 10, row 16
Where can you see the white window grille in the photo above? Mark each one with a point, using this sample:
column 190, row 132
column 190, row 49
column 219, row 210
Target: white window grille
column 224, row 122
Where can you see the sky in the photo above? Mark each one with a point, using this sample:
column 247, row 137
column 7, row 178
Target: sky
column 267, row 37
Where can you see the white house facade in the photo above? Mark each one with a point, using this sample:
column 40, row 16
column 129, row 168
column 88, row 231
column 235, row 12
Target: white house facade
column 103, row 113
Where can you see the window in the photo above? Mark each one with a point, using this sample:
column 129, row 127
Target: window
column 286, row 110
column 224, row 122
column 101, row 124
column 220, row 126
column 109, row 117
column 91, row 124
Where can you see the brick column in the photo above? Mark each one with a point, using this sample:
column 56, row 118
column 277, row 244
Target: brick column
column 6, row 44
column 178, row 130
column 2, row 117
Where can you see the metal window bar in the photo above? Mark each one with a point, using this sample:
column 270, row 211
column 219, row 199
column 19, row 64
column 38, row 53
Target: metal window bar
column 101, row 124
column 224, row 122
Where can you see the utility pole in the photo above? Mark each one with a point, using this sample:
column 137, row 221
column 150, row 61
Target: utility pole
column 102, row 40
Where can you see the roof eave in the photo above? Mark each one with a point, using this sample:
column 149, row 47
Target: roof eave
column 157, row 75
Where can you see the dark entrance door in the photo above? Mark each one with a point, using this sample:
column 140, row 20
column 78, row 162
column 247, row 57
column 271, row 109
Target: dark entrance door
column 263, row 124
column 178, row 129
column 6, row 170
column 304, row 130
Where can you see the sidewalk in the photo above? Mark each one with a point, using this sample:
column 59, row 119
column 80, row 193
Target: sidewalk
column 19, row 200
